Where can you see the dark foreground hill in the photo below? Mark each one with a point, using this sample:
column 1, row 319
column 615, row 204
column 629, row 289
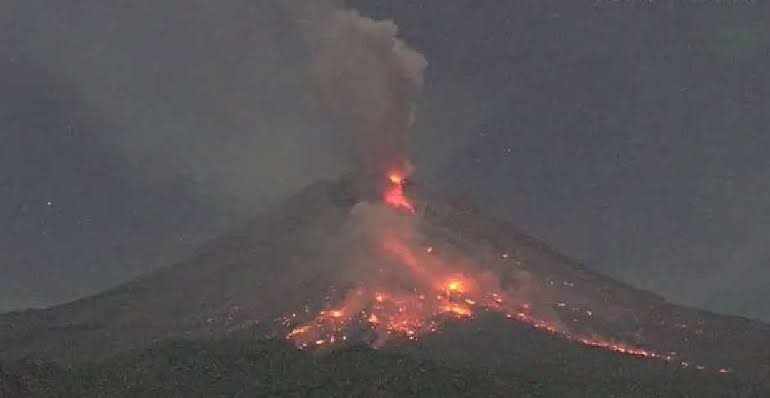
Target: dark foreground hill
column 241, row 286
column 252, row 368
column 264, row 368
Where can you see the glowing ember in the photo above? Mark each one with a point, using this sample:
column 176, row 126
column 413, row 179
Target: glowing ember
column 394, row 192
column 458, row 310
column 411, row 315
column 455, row 287
column 396, row 178
column 298, row 331
column 438, row 292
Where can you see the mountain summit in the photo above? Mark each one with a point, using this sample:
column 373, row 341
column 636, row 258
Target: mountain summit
column 297, row 266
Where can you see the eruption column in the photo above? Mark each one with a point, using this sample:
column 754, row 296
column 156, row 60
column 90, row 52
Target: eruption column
column 368, row 78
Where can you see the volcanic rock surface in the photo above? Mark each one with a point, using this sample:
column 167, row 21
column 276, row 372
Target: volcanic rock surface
column 257, row 279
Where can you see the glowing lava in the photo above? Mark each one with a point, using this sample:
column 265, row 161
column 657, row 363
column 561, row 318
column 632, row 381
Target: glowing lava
column 394, row 192
column 433, row 292
column 455, row 286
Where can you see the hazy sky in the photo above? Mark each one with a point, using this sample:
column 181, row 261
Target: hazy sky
column 632, row 138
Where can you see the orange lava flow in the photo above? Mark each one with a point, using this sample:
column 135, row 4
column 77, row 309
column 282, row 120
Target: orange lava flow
column 593, row 342
column 394, row 192
column 439, row 292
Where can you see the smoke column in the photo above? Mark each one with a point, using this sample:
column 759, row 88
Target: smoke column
column 367, row 78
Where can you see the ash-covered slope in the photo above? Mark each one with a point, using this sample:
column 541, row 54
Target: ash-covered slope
column 246, row 278
column 279, row 264
column 590, row 304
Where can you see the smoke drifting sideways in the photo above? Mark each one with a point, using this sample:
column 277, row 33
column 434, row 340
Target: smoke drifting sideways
column 204, row 108
column 223, row 100
column 215, row 97
column 367, row 79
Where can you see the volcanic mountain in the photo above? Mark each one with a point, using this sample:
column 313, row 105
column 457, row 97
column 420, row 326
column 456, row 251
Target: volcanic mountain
column 509, row 301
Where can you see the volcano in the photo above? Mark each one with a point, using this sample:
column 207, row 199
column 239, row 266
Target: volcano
column 476, row 291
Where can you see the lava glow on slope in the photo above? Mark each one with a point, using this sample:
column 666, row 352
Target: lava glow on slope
column 437, row 291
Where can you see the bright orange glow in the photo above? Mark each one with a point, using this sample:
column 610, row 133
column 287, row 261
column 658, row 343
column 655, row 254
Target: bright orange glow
column 455, row 286
column 299, row 330
column 435, row 291
column 394, row 193
column 459, row 310
column 458, row 284
column 412, row 314
column 396, row 178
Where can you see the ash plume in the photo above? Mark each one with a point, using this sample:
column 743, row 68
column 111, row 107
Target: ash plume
column 367, row 79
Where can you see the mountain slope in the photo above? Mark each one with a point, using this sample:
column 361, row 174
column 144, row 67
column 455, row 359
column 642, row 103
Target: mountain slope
column 238, row 280
column 249, row 280
column 617, row 310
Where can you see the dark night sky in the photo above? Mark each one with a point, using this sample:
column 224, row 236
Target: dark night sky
column 631, row 137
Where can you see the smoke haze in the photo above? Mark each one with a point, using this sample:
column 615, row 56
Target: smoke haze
column 180, row 95
column 633, row 139
column 367, row 79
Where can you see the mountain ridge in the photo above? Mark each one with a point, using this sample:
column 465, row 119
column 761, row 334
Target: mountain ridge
column 252, row 277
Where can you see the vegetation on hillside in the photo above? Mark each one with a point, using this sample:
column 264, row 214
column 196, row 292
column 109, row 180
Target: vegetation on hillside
column 268, row 368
